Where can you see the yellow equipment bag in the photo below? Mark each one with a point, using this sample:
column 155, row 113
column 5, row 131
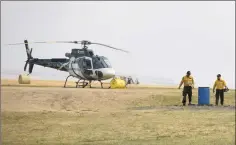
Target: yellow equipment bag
column 24, row 79
column 117, row 83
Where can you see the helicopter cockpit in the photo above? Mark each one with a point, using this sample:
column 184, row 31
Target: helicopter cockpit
column 100, row 62
column 85, row 63
column 96, row 62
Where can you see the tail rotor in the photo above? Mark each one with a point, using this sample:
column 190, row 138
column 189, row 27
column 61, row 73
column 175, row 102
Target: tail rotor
column 29, row 58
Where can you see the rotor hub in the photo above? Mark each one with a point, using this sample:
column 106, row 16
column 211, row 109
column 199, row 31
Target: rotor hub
column 85, row 42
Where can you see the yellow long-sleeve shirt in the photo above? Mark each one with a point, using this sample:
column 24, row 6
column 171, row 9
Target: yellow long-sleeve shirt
column 219, row 84
column 187, row 81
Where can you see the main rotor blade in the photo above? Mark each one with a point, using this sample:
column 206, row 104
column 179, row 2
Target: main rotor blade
column 25, row 67
column 76, row 42
column 110, row 47
column 84, row 42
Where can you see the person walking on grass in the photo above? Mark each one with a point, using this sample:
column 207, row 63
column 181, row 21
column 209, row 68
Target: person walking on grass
column 220, row 86
column 188, row 82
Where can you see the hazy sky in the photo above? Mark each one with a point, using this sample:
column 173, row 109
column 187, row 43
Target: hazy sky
column 165, row 39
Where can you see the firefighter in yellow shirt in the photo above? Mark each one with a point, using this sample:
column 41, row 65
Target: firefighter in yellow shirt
column 220, row 86
column 188, row 82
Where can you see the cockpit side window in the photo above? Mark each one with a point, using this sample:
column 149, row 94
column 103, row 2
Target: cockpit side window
column 87, row 64
column 84, row 63
column 80, row 62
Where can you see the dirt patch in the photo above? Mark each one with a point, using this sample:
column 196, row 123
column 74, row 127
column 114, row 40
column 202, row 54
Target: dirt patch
column 67, row 99
column 28, row 99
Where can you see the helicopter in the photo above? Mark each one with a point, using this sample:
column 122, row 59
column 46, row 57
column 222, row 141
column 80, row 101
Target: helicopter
column 81, row 63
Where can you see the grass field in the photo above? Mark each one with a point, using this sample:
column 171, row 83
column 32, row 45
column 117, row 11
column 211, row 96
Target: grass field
column 133, row 116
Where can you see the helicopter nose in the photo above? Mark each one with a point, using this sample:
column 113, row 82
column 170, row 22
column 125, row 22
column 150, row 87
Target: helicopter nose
column 108, row 73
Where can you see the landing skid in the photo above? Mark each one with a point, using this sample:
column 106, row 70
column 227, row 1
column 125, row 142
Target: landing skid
column 84, row 84
column 101, row 84
column 66, row 80
column 77, row 83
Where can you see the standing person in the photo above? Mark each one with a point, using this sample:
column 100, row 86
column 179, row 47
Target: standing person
column 188, row 82
column 129, row 81
column 220, row 86
column 137, row 82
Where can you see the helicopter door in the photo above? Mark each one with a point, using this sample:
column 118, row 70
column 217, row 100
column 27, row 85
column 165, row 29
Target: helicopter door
column 87, row 66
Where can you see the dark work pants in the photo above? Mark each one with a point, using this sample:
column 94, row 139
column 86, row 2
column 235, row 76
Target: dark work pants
column 219, row 94
column 187, row 91
column 128, row 82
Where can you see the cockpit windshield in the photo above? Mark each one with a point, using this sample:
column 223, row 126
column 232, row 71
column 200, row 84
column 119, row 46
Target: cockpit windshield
column 101, row 62
column 107, row 62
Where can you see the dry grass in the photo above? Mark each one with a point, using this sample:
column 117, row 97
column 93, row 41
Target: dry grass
column 86, row 116
column 43, row 83
column 57, row 83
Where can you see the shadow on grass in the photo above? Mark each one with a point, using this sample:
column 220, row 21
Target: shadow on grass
column 179, row 107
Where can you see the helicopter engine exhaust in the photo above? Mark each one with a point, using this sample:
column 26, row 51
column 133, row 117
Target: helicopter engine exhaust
column 68, row 55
